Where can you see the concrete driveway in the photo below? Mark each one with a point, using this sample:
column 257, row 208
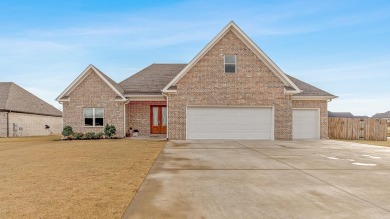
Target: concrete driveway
column 266, row 179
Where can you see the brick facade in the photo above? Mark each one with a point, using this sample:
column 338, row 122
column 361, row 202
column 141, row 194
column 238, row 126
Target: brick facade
column 33, row 125
column 93, row 92
column 29, row 124
column 318, row 104
column 138, row 115
column 252, row 85
column 3, row 124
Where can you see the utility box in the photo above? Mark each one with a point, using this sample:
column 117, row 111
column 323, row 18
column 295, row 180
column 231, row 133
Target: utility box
column 15, row 127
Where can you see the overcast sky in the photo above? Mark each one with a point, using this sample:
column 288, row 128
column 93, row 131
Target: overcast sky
column 339, row 46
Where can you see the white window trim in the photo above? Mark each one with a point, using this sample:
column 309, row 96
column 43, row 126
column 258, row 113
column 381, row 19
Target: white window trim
column 93, row 117
column 235, row 63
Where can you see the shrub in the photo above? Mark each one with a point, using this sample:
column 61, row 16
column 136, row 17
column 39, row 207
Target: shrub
column 99, row 135
column 78, row 135
column 90, row 135
column 109, row 130
column 67, row 131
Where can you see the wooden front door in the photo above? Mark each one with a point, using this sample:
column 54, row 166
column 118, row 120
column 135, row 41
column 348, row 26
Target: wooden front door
column 158, row 119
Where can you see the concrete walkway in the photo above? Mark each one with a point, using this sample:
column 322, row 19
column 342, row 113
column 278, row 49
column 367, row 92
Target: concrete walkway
column 266, row 179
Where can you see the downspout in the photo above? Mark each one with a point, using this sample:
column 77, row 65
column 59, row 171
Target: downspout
column 7, row 124
column 124, row 118
column 167, row 115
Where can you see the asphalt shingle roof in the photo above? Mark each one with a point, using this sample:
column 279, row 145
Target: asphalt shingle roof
column 382, row 115
column 341, row 114
column 17, row 99
column 307, row 89
column 155, row 77
column 152, row 79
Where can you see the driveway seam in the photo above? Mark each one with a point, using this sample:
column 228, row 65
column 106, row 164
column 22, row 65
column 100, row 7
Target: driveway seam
column 316, row 178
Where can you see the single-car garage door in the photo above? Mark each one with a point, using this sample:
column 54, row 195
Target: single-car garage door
column 306, row 124
column 229, row 123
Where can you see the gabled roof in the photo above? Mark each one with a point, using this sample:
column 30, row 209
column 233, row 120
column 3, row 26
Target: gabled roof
column 111, row 83
column 382, row 115
column 250, row 44
column 151, row 80
column 340, row 114
column 16, row 99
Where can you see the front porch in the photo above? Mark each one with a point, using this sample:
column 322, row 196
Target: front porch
column 149, row 118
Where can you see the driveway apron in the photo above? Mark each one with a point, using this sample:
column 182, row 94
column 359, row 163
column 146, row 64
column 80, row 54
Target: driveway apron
column 266, row 179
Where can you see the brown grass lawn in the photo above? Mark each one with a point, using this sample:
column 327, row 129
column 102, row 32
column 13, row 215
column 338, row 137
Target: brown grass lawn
column 43, row 177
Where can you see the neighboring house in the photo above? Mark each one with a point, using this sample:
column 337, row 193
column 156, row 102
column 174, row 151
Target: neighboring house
column 362, row 117
column 340, row 114
column 385, row 115
column 230, row 90
column 344, row 115
column 23, row 114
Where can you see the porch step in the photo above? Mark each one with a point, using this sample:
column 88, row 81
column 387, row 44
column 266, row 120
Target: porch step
column 151, row 136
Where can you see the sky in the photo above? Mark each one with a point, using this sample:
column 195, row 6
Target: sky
column 339, row 46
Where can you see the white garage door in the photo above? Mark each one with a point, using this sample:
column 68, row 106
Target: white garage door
column 229, row 123
column 306, row 124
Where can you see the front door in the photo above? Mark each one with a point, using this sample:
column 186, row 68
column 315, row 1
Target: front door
column 158, row 119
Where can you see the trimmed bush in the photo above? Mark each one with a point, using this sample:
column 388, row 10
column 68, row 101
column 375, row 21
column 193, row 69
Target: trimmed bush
column 109, row 130
column 78, row 135
column 67, row 131
column 99, row 135
column 90, row 135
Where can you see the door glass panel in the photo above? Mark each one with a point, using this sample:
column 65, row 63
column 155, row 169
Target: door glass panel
column 155, row 116
column 164, row 116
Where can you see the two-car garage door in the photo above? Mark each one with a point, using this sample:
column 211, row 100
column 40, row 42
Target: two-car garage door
column 247, row 123
column 229, row 123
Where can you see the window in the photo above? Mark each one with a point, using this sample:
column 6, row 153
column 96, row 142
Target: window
column 93, row 117
column 230, row 63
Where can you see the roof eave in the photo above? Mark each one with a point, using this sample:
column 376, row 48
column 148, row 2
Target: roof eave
column 291, row 92
column 164, row 91
column 143, row 97
column 313, row 97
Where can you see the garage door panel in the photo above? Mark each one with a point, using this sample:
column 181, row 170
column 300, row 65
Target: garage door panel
column 306, row 124
column 229, row 123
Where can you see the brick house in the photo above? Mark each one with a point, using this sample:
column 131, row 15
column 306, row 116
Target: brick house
column 385, row 115
column 229, row 90
column 24, row 114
